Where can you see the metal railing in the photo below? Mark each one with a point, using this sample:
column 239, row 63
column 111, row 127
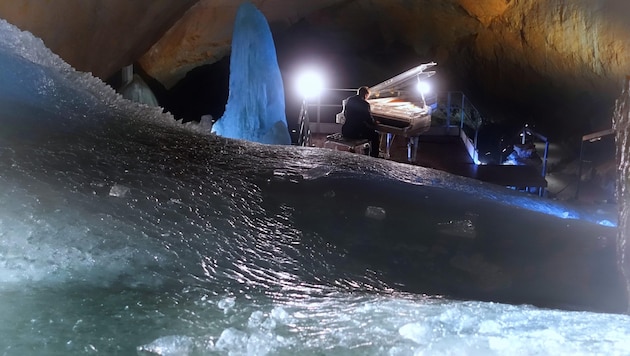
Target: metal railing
column 304, row 135
column 450, row 109
column 454, row 109
column 525, row 132
column 590, row 138
column 304, row 121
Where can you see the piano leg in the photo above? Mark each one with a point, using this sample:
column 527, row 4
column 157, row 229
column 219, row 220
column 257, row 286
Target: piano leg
column 388, row 144
column 412, row 148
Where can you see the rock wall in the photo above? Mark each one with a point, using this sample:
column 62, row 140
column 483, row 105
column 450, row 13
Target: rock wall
column 96, row 36
column 203, row 35
column 566, row 58
column 621, row 122
column 555, row 63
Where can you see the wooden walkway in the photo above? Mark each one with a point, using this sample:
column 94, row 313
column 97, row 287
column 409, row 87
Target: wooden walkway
column 448, row 153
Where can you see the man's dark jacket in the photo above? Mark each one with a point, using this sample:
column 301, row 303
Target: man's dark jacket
column 359, row 120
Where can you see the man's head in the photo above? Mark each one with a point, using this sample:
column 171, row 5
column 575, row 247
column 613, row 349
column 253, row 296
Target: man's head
column 363, row 92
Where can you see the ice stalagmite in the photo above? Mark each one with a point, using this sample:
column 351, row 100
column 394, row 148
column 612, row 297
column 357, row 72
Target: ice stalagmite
column 255, row 110
column 137, row 90
column 621, row 124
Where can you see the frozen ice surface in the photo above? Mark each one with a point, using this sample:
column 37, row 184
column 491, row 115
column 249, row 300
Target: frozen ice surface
column 255, row 110
column 171, row 345
column 213, row 249
column 375, row 212
column 118, row 191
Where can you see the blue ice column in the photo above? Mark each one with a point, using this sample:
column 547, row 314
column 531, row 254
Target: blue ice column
column 255, row 110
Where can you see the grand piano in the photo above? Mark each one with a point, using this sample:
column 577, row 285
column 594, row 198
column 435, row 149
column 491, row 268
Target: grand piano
column 401, row 109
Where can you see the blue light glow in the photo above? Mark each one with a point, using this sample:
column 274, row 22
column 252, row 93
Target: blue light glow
column 256, row 109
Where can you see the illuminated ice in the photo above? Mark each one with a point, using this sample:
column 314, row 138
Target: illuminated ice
column 137, row 90
column 255, row 110
column 216, row 246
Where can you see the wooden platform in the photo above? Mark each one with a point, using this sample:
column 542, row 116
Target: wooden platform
column 448, row 153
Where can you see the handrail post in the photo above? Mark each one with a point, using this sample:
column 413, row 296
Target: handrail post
column 448, row 110
column 544, row 167
column 479, row 124
column 462, row 115
column 579, row 177
column 541, row 192
column 319, row 107
column 304, row 135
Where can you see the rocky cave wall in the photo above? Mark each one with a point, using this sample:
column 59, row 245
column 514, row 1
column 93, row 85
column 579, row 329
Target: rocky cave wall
column 203, row 35
column 556, row 63
column 560, row 61
column 96, row 36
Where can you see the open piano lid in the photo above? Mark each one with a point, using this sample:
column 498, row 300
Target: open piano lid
column 403, row 83
column 397, row 98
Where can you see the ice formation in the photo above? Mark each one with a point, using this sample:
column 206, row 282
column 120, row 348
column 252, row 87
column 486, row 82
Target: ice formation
column 137, row 90
column 255, row 110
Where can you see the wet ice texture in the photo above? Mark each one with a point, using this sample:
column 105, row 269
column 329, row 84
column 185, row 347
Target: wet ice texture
column 404, row 325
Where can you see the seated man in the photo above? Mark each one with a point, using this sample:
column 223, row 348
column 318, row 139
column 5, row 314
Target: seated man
column 359, row 121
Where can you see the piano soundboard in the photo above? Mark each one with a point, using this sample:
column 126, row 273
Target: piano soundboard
column 401, row 117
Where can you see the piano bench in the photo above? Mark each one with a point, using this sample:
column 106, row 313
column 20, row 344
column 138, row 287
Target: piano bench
column 340, row 143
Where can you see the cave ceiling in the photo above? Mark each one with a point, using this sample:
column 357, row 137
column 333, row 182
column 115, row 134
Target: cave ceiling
column 549, row 60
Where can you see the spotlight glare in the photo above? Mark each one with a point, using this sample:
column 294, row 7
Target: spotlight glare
column 423, row 87
column 310, row 84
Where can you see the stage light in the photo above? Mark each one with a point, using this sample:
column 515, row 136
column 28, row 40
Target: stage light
column 310, row 84
column 423, row 87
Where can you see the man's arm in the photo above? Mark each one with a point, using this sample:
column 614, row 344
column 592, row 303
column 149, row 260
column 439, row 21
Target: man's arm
column 369, row 121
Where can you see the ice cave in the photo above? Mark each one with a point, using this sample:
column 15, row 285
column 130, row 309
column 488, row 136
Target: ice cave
column 127, row 230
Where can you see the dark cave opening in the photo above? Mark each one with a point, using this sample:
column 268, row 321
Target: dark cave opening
column 203, row 91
